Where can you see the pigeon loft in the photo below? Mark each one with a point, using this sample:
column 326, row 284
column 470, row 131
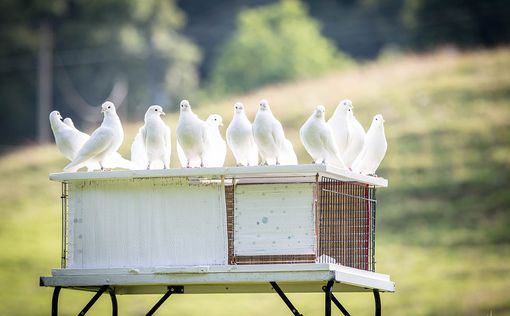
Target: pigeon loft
column 301, row 228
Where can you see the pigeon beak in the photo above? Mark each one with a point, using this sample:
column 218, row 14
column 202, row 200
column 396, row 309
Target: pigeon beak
column 102, row 110
column 221, row 124
column 163, row 113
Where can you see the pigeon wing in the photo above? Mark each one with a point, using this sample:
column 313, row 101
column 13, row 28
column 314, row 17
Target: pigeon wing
column 97, row 143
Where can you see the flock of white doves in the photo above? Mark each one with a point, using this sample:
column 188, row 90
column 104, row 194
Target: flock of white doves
column 341, row 141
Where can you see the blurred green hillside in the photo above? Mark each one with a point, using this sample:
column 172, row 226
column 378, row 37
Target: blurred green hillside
column 443, row 223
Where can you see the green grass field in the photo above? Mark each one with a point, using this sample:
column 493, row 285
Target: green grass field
column 443, row 224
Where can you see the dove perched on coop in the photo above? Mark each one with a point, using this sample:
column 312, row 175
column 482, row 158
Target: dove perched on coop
column 115, row 160
column 240, row 138
column 216, row 147
column 152, row 144
column 192, row 136
column 374, row 148
column 68, row 139
column 104, row 141
column 355, row 140
column 268, row 134
column 318, row 140
column 339, row 125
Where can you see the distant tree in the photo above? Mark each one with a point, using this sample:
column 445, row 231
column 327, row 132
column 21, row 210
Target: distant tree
column 169, row 61
column 273, row 43
column 460, row 22
column 93, row 44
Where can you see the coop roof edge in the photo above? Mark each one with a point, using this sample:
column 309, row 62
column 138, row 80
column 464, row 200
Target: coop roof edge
column 239, row 172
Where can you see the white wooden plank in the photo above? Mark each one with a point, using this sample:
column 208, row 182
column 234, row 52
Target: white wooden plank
column 248, row 278
column 147, row 222
column 237, row 172
column 274, row 219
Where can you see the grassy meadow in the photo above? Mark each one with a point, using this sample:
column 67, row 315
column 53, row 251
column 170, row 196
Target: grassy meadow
column 443, row 229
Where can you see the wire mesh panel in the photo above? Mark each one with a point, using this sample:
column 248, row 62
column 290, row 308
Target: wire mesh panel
column 229, row 201
column 346, row 223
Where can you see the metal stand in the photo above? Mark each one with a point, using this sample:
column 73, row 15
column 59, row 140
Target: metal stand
column 179, row 289
column 93, row 300
column 285, row 299
column 328, row 290
column 377, row 299
column 171, row 290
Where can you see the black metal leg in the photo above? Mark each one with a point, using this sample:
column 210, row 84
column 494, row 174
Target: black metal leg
column 339, row 305
column 54, row 301
column 93, row 300
column 377, row 299
column 173, row 289
column 115, row 311
column 328, row 290
column 330, row 297
column 285, row 299
column 159, row 303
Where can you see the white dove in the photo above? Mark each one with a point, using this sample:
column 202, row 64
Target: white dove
column 240, row 138
column 216, row 150
column 191, row 135
column 339, row 125
column 155, row 137
column 374, row 148
column 68, row 139
column 103, row 142
column 356, row 138
column 318, row 140
column 114, row 160
column 268, row 134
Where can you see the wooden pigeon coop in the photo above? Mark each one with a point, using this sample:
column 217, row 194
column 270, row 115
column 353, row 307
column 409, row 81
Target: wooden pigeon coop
column 306, row 228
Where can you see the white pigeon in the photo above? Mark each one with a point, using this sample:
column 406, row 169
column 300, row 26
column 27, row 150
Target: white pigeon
column 191, row 134
column 68, row 139
column 374, row 148
column 318, row 140
column 355, row 139
column 240, row 138
column 76, row 140
column 339, row 125
column 216, row 150
column 268, row 134
column 103, row 142
column 115, row 160
column 155, row 139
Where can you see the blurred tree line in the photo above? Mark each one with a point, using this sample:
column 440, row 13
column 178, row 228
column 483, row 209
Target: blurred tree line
column 71, row 55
